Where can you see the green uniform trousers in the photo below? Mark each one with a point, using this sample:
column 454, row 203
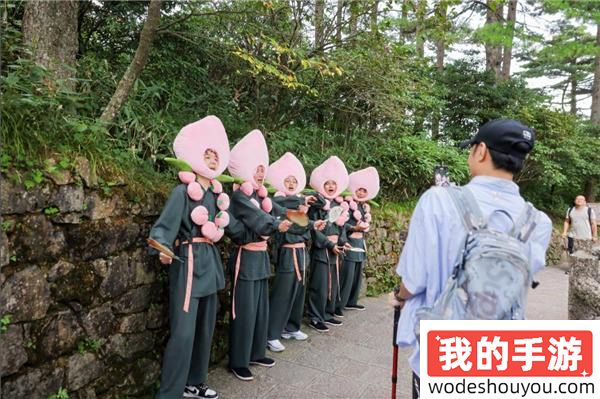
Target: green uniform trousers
column 248, row 331
column 322, row 300
column 350, row 281
column 187, row 354
column 286, row 304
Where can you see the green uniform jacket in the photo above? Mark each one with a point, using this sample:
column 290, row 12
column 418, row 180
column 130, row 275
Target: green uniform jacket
column 258, row 225
column 175, row 223
column 284, row 256
column 353, row 256
column 320, row 242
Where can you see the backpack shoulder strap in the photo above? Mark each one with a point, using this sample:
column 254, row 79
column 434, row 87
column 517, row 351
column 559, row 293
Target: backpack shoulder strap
column 569, row 213
column 467, row 207
column 525, row 224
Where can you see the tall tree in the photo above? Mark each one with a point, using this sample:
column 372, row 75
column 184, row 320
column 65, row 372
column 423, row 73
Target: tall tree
column 353, row 17
column 137, row 63
column 339, row 17
column 493, row 51
column 373, row 16
column 595, row 116
column 50, row 30
column 420, row 12
column 319, row 24
column 511, row 17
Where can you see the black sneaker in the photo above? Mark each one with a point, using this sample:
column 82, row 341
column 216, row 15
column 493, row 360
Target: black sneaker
column 333, row 322
column 317, row 325
column 200, row 391
column 265, row 362
column 242, row 373
column 354, row 307
column 338, row 313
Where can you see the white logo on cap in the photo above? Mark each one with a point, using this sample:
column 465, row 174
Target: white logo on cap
column 526, row 134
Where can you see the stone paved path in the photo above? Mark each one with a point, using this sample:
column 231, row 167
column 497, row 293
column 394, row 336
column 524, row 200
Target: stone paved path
column 354, row 360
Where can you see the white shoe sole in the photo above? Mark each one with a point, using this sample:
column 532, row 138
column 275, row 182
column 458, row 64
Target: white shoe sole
column 290, row 336
column 360, row 310
column 269, row 347
column 262, row 364
column 191, row 396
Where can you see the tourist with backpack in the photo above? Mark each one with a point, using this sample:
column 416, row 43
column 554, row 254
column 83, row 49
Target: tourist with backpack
column 456, row 230
column 580, row 223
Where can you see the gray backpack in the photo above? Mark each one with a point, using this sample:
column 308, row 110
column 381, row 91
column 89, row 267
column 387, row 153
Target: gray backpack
column 492, row 274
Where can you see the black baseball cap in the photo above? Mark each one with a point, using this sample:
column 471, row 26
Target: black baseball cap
column 503, row 135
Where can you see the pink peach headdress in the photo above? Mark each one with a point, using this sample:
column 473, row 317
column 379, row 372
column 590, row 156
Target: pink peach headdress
column 332, row 169
column 287, row 165
column 368, row 179
column 247, row 155
column 194, row 139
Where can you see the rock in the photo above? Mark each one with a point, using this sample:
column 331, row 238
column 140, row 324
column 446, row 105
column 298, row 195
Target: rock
column 100, row 239
column 134, row 301
column 25, row 295
column 98, row 207
column 61, row 335
column 15, row 199
column 67, row 218
column 86, row 393
column 37, row 383
column 69, row 198
column 119, row 277
column 87, row 174
column 99, row 322
column 133, row 323
column 13, row 351
column 144, row 374
column 79, row 285
column 60, row 269
column 100, row 267
column 59, row 176
column 37, row 239
column 157, row 317
column 128, row 346
column 4, row 249
column 83, row 369
column 387, row 247
column 142, row 266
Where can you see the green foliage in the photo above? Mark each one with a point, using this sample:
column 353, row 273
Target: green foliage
column 50, row 211
column 385, row 279
column 89, row 345
column 62, row 393
column 366, row 96
column 5, row 321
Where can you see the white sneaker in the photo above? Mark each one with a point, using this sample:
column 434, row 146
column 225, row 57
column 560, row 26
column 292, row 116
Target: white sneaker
column 297, row 335
column 275, row 346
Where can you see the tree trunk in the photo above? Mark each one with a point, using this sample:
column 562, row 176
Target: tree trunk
column 353, row 17
column 50, row 30
column 404, row 21
column 511, row 18
column 493, row 52
column 339, row 18
column 420, row 35
column 595, row 118
column 374, row 12
column 573, row 95
column 440, row 52
column 589, row 191
column 319, row 23
column 137, row 64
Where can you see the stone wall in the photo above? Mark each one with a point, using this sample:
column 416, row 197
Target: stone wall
column 584, row 281
column 82, row 305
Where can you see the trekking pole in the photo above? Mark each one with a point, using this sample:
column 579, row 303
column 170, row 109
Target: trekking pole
column 395, row 357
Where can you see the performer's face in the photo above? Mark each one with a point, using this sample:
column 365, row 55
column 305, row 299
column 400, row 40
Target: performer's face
column 211, row 159
column 259, row 175
column 290, row 183
column 330, row 187
column 361, row 193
